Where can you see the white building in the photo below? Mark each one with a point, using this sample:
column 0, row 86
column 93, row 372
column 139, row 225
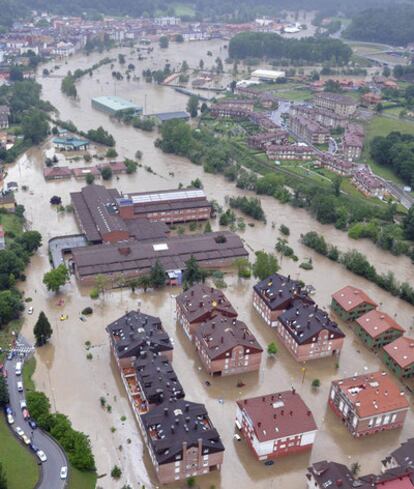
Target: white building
column 268, row 75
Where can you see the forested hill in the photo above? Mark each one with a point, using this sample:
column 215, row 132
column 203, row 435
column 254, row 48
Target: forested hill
column 275, row 47
column 391, row 25
column 230, row 10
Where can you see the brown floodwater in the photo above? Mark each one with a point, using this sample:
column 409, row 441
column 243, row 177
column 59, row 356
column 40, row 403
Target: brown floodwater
column 76, row 384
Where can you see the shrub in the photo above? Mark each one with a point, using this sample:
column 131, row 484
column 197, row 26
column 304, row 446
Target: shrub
column 87, row 311
column 116, row 472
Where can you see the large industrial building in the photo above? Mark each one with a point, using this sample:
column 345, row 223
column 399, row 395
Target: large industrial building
column 113, row 105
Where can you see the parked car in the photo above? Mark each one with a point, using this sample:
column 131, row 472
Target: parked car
column 19, row 431
column 26, row 439
column 26, row 414
column 63, row 472
column 34, row 447
column 10, row 356
column 32, row 424
column 237, row 437
column 30, row 310
column 41, row 455
column 8, row 410
column 10, row 419
column 20, row 386
column 23, row 403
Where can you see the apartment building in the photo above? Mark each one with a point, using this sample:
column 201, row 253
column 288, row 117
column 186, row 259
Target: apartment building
column 398, row 356
column 308, row 130
column 349, row 303
column 343, row 105
column 290, row 152
column 376, row 329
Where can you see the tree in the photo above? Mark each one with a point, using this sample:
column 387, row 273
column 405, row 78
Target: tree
column 30, row 241
column 192, row 105
column 191, row 481
column 207, row 227
column 408, row 224
column 272, row 349
column 336, row 184
column 121, row 58
column 101, row 283
column 145, row 282
column 38, row 405
column 201, row 64
column 266, row 264
column 56, row 278
column 111, row 153
column 116, row 472
column 4, row 393
column 42, row 330
column 184, row 66
column 90, row 178
column 10, row 306
column 164, row 42
column 355, row 468
column 35, row 126
column 106, row 173
column 157, row 275
column 55, row 200
column 193, row 273
column 179, row 38
column 243, row 267
column 3, row 479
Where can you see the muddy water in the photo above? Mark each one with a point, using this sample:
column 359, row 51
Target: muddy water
column 75, row 384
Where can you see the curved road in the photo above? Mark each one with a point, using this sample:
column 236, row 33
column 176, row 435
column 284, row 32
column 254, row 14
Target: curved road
column 56, row 458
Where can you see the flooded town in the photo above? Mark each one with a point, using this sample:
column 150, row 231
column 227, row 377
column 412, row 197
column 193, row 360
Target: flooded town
column 89, row 378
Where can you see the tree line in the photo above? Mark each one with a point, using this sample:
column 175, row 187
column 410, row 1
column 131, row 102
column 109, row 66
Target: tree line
column 391, row 25
column 272, row 46
column 358, row 263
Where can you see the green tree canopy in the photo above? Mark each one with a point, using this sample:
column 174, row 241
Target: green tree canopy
column 266, row 264
column 42, row 330
column 56, row 278
column 157, row 275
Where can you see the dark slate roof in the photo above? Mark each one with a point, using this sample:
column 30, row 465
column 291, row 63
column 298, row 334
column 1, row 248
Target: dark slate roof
column 303, row 321
column 221, row 334
column 96, row 209
column 172, row 253
column 169, row 116
column 278, row 291
column 136, row 332
column 157, row 378
column 201, row 302
column 332, row 475
column 404, row 455
column 142, row 229
column 173, row 423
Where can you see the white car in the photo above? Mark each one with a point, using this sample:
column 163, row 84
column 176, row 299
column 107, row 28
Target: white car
column 23, row 404
column 26, row 439
column 42, row 456
column 237, row 437
column 30, row 310
column 19, row 386
column 10, row 419
column 63, row 472
column 19, row 431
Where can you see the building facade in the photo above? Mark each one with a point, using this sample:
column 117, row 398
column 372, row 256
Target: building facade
column 276, row 425
column 227, row 347
column 349, row 303
column 369, row 403
column 342, row 105
column 399, row 357
column 376, row 329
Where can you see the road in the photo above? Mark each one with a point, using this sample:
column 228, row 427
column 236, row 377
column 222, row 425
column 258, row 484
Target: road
column 56, row 458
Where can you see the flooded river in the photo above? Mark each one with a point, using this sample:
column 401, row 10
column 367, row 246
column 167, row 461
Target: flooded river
column 75, row 384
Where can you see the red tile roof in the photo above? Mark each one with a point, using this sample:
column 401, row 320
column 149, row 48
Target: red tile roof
column 401, row 351
column 351, row 297
column 373, row 394
column 278, row 415
column 375, row 323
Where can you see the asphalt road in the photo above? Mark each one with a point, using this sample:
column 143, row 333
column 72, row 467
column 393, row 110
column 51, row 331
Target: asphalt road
column 56, row 459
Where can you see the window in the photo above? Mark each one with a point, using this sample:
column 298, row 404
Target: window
column 378, row 421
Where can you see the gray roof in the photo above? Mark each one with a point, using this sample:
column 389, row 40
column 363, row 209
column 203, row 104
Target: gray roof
column 133, row 256
column 169, row 116
column 279, row 292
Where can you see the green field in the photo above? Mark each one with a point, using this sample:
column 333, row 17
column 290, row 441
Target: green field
column 81, row 480
column 18, row 462
column 295, row 95
column 382, row 126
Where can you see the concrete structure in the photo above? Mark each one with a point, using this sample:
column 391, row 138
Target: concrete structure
column 349, row 303
column 276, row 294
column 290, row 152
column 133, row 258
column 368, row 403
column 308, row 130
column 342, row 105
column 276, row 424
column 267, row 75
column 169, row 206
column 70, row 143
column 399, row 357
column 115, row 105
column 199, row 304
column 181, row 440
column 226, row 346
column 376, row 329
column 264, row 140
column 308, row 333
column 57, row 173
column 403, row 456
column 352, row 145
